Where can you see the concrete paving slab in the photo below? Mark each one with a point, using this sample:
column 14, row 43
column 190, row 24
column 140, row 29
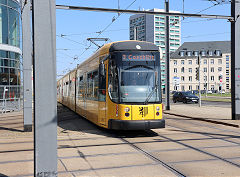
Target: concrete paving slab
column 118, row 160
column 16, row 147
column 236, row 140
column 103, row 150
column 67, row 152
column 218, row 113
column 218, row 168
column 65, row 174
column 12, row 157
column 225, row 152
column 92, row 173
column 98, row 142
column 143, row 171
column 75, row 164
column 185, row 136
column 209, row 142
column 209, row 113
column 160, row 146
column 20, row 169
column 181, row 155
column 237, row 160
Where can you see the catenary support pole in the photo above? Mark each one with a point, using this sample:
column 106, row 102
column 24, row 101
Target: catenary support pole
column 27, row 66
column 235, row 61
column 199, row 79
column 45, row 87
column 167, row 58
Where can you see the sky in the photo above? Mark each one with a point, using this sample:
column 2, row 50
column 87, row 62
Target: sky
column 74, row 27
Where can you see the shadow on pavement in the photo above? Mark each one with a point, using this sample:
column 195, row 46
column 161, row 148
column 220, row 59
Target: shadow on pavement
column 70, row 121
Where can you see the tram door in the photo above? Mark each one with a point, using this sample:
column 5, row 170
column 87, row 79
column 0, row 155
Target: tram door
column 102, row 93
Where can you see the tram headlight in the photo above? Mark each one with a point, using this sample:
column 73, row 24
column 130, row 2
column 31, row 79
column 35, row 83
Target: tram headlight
column 127, row 109
column 157, row 108
column 157, row 113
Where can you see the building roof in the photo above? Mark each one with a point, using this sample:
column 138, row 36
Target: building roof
column 223, row 46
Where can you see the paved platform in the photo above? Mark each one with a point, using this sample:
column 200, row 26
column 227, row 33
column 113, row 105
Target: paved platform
column 83, row 150
column 86, row 150
column 214, row 114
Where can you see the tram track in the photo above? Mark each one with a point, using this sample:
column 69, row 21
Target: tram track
column 204, row 134
column 152, row 157
column 170, row 165
column 201, row 151
column 207, row 135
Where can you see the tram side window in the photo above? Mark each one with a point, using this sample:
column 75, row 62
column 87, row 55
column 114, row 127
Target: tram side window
column 80, row 87
column 95, row 85
column 102, row 85
column 89, row 85
column 71, row 89
column 92, row 85
column 65, row 93
column 113, row 81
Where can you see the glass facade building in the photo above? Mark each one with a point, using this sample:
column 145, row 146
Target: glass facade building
column 10, row 52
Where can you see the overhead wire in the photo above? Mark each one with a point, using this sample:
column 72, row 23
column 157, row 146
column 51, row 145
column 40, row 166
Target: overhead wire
column 100, row 32
column 203, row 9
column 115, row 18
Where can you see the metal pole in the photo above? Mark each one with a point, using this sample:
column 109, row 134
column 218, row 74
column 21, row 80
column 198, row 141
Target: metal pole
column 199, row 82
column 235, row 62
column 167, row 55
column 65, row 7
column 27, row 66
column 4, row 99
column 45, row 88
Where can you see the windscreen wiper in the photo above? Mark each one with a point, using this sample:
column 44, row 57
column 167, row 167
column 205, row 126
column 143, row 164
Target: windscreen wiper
column 150, row 95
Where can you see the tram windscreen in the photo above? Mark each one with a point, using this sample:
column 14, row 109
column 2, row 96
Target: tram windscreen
column 140, row 77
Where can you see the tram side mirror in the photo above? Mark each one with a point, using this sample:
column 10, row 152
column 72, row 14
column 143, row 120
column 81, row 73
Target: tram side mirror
column 102, row 69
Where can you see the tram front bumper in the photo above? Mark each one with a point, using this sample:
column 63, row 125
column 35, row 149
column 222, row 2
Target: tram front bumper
column 135, row 124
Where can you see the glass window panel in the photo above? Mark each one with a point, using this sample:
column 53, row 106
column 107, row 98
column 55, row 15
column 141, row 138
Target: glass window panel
column 3, row 2
column 5, row 62
column 3, row 54
column 3, row 25
column 13, row 4
column 13, row 27
column 13, row 76
column 4, row 77
column 2, row 62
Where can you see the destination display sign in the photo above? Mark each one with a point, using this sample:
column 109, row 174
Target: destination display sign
column 136, row 57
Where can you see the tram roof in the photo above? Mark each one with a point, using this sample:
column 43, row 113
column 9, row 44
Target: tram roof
column 133, row 46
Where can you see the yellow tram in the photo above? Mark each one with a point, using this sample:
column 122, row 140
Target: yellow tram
column 118, row 87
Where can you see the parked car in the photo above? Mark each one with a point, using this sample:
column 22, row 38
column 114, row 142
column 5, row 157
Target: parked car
column 214, row 91
column 209, row 91
column 195, row 92
column 185, row 97
column 223, row 91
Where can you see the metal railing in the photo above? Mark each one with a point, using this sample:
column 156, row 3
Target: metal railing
column 10, row 104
